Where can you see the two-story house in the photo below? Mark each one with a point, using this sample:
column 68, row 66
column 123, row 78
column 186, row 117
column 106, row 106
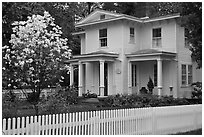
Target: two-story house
column 119, row 53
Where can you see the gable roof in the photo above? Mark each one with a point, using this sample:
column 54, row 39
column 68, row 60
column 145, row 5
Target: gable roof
column 116, row 16
column 98, row 11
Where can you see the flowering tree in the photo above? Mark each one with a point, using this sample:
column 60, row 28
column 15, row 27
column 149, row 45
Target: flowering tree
column 35, row 55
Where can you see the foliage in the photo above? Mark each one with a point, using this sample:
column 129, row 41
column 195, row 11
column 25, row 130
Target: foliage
column 191, row 19
column 36, row 54
column 9, row 105
column 150, row 85
column 59, row 101
column 143, row 90
column 89, row 95
column 142, row 101
column 197, row 93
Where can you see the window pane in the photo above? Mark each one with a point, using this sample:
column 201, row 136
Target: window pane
column 183, row 68
column 132, row 31
column 102, row 16
column 156, row 42
column 103, row 42
column 103, row 33
column 190, row 74
column 183, row 75
column 157, row 32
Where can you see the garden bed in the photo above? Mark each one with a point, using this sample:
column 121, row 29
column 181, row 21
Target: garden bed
column 80, row 104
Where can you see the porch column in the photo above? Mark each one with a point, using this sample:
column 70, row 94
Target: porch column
column 159, row 76
column 101, row 85
column 129, row 77
column 71, row 75
column 80, row 78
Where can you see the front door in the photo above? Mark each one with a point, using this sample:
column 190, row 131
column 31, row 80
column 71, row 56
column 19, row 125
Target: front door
column 106, row 79
column 134, row 78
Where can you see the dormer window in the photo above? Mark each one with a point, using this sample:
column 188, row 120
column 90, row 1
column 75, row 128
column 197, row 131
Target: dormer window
column 102, row 16
column 132, row 35
column 103, row 37
column 156, row 38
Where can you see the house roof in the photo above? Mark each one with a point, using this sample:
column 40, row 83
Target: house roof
column 146, row 52
column 115, row 16
column 98, row 53
column 93, row 56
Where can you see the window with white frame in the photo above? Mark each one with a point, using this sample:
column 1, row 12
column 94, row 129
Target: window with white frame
column 156, row 38
column 132, row 35
column 103, row 37
column 186, row 74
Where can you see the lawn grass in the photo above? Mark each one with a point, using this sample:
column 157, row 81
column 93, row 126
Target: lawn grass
column 193, row 132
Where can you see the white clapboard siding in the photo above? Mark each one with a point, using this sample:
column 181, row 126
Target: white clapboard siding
column 138, row 121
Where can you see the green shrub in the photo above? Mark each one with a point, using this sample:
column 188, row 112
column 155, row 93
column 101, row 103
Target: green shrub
column 58, row 102
column 89, row 95
column 144, row 100
column 150, row 85
column 9, row 105
column 197, row 93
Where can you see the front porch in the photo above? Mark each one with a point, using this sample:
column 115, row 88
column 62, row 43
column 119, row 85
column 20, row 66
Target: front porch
column 94, row 72
column 158, row 65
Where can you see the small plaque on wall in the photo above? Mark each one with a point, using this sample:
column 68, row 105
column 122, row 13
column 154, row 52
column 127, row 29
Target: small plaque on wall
column 118, row 71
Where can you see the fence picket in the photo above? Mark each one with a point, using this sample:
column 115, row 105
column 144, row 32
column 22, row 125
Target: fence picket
column 9, row 127
column 70, row 125
column 27, row 126
column 14, row 125
column 39, row 125
column 53, row 124
column 50, row 124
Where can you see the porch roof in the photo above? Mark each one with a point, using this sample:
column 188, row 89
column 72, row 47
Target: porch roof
column 150, row 54
column 94, row 56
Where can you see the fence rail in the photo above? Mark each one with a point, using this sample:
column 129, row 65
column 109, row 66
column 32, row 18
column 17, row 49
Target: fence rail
column 154, row 120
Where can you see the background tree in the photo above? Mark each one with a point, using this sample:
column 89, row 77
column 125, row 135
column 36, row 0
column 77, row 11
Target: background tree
column 36, row 54
column 191, row 19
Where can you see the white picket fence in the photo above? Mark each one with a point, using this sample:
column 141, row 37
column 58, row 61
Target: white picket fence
column 142, row 121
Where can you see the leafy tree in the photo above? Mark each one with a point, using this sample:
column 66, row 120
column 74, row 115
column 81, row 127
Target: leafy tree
column 35, row 54
column 191, row 19
column 137, row 9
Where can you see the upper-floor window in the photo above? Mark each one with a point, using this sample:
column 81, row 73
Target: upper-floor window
column 132, row 35
column 156, row 37
column 103, row 37
column 186, row 74
column 102, row 16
